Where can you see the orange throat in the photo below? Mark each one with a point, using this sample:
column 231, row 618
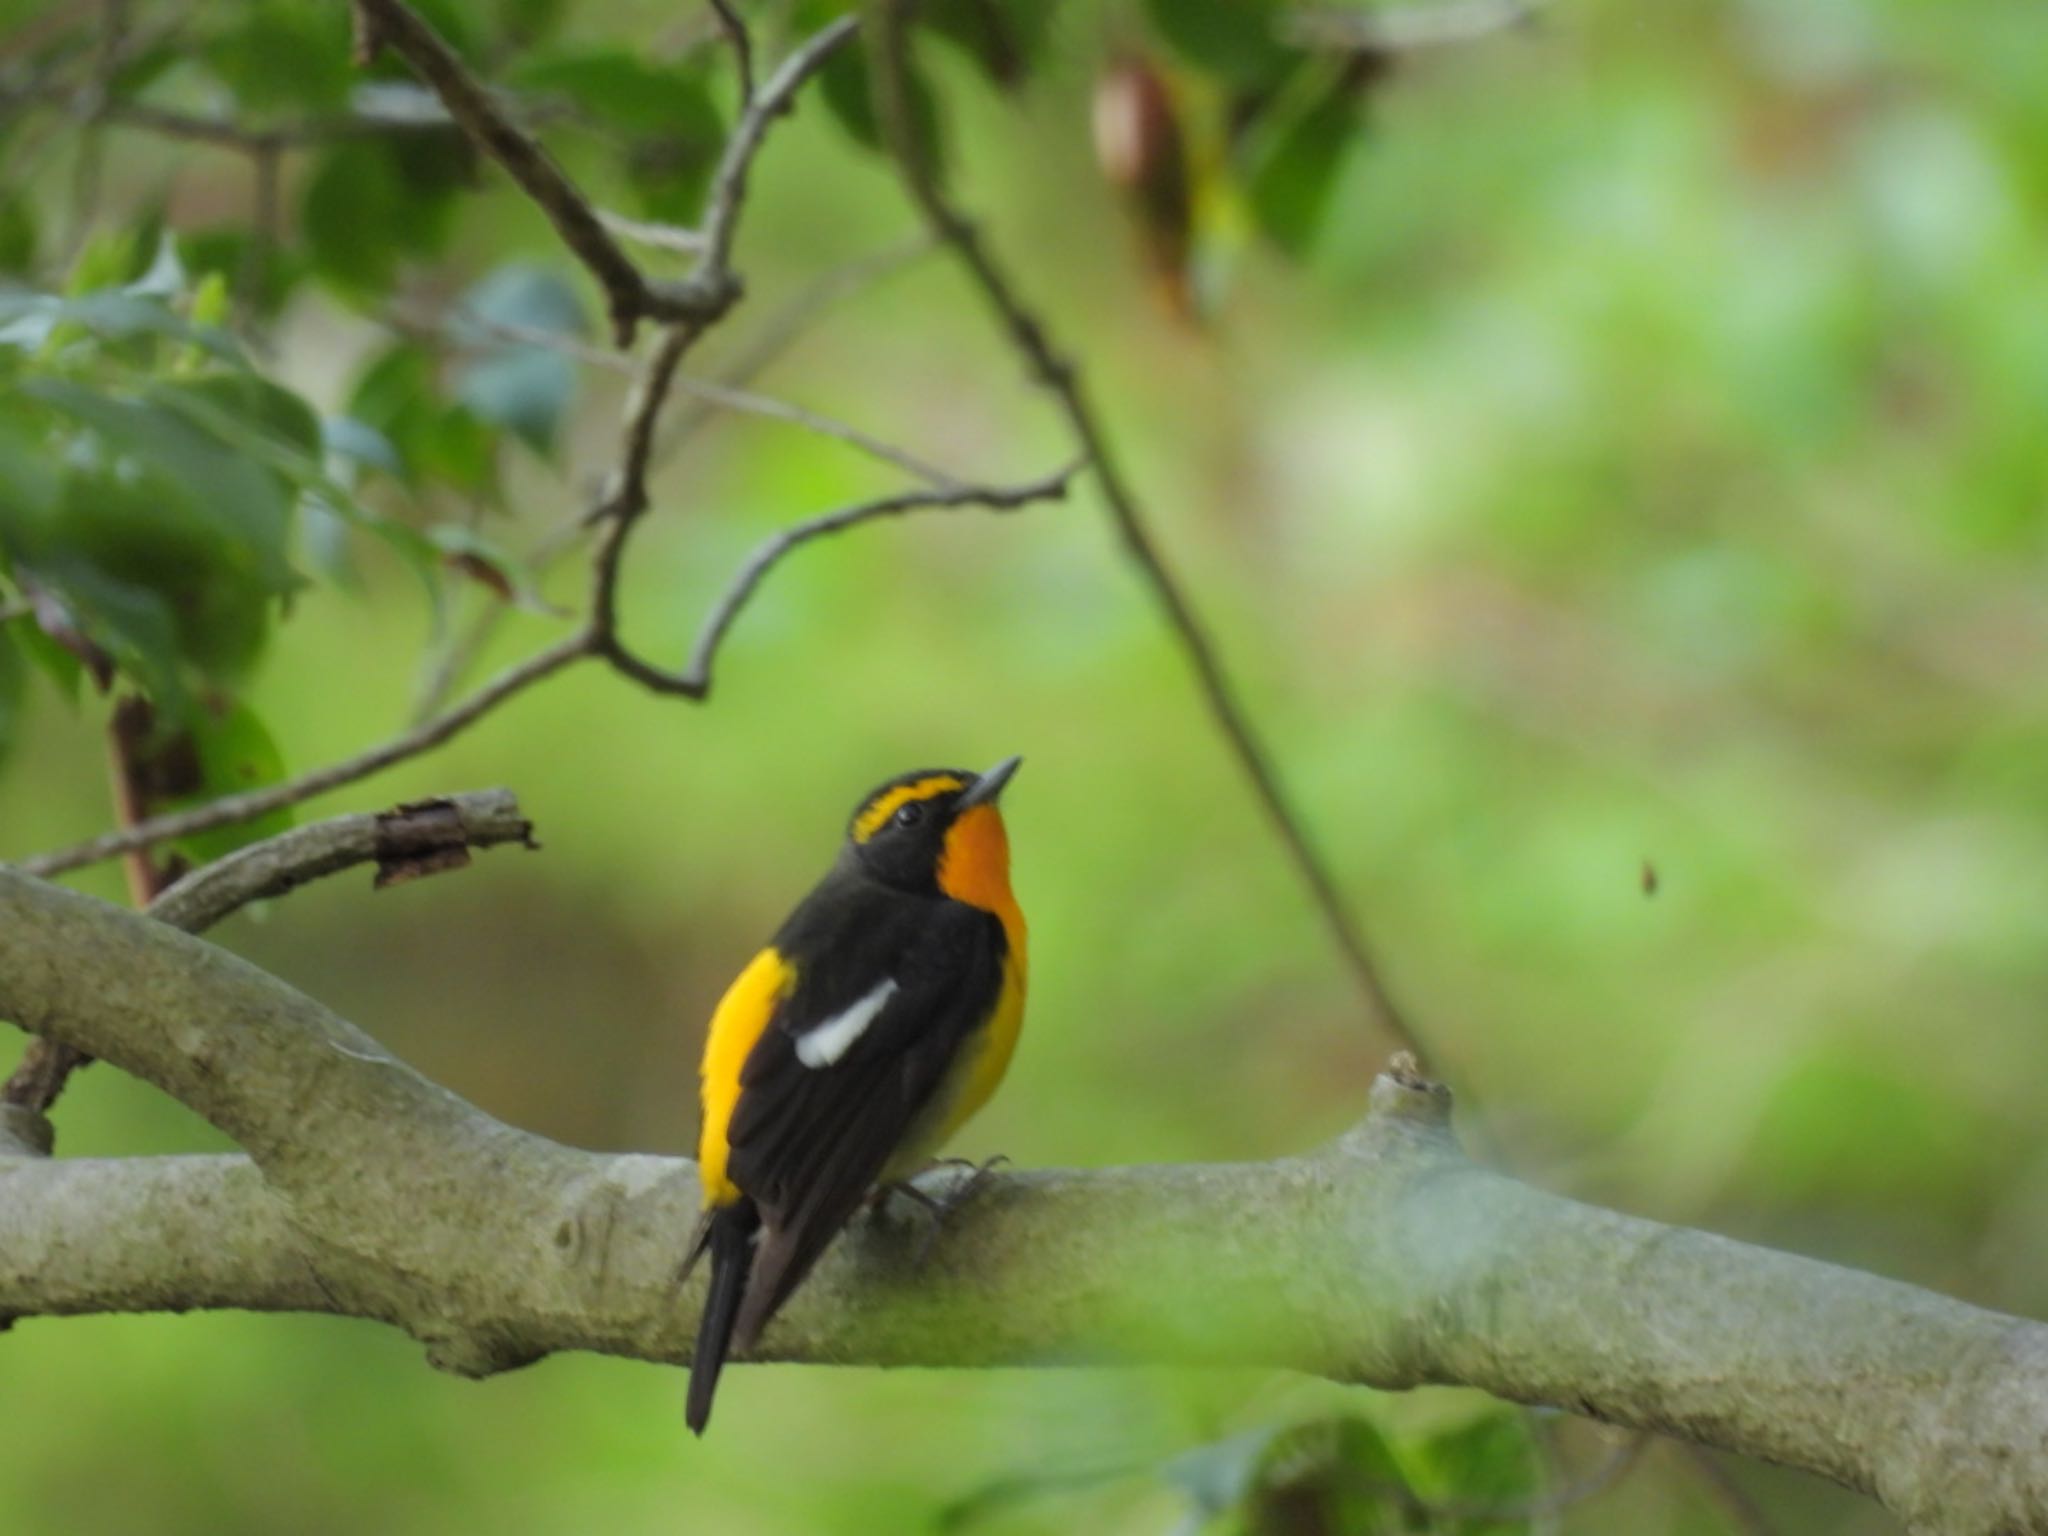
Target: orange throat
column 975, row 868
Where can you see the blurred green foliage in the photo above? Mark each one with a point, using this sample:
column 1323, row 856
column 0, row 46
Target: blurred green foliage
column 1610, row 452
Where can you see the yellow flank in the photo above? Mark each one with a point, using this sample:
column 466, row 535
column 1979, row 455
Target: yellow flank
column 876, row 813
column 749, row 1003
column 988, row 1053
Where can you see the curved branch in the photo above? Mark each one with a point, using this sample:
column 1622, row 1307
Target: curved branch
column 1387, row 1259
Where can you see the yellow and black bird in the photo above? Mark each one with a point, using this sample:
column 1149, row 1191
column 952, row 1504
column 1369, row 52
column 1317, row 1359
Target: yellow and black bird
column 879, row 1018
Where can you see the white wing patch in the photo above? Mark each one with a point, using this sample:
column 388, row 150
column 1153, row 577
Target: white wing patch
column 825, row 1043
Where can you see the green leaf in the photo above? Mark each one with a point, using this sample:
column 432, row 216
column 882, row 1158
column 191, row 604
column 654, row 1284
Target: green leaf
column 1237, row 41
column 29, row 320
column 398, row 396
column 234, row 751
column 283, row 56
column 1337, row 1475
column 621, row 87
column 29, row 485
column 1491, row 1460
column 371, row 203
column 665, row 111
column 849, row 95
column 525, row 388
column 1005, row 38
column 224, row 249
column 1293, row 181
column 349, row 216
column 132, row 623
column 238, row 510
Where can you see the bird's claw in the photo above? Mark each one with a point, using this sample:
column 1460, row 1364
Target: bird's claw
column 971, row 1177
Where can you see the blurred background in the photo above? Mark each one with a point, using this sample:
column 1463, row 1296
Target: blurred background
column 1618, row 484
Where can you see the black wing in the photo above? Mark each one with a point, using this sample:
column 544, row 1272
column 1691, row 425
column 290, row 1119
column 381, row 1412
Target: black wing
column 809, row 1141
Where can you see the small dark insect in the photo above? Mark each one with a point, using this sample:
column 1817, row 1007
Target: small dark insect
column 1649, row 878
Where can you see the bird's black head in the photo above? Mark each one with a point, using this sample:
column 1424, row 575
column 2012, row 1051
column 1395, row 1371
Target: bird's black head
column 921, row 832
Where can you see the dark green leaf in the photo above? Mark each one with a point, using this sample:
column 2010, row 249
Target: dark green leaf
column 369, row 204
column 350, row 213
column 129, row 621
column 1006, row 38
column 226, row 502
column 1490, row 1461
column 1291, row 186
column 849, row 95
column 282, row 55
column 665, row 111
column 234, row 751
column 1235, row 40
column 622, row 88
column 1332, row 1475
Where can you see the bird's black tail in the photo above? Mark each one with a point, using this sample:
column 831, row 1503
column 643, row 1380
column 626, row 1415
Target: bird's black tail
column 729, row 1235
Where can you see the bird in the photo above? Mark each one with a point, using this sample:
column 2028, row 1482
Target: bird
column 874, row 1024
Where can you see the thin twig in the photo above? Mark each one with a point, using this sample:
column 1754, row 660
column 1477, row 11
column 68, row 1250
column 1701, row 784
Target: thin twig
column 767, row 345
column 695, row 680
column 250, row 804
column 410, row 837
column 661, row 237
column 734, row 26
column 729, row 181
column 1059, row 378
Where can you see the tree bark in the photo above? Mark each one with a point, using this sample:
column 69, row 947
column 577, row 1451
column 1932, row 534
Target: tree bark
column 1387, row 1259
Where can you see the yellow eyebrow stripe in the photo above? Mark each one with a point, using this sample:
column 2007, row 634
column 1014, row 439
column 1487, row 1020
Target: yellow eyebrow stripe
column 876, row 813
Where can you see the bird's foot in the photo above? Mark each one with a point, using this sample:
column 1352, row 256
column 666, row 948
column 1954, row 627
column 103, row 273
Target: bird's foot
column 966, row 1179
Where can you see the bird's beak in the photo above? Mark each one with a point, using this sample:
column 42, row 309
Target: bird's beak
column 986, row 788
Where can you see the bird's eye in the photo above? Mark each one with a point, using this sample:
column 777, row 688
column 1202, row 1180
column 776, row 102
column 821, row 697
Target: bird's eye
column 910, row 815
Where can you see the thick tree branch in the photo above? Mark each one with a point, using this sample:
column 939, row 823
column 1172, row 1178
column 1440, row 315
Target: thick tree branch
column 1386, row 1259
column 1062, row 381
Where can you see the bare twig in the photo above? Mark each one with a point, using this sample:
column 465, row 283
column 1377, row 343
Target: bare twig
column 729, row 181
column 695, row 680
column 250, row 804
column 734, row 26
column 768, row 344
column 1059, row 378
column 405, row 837
column 661, row 237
